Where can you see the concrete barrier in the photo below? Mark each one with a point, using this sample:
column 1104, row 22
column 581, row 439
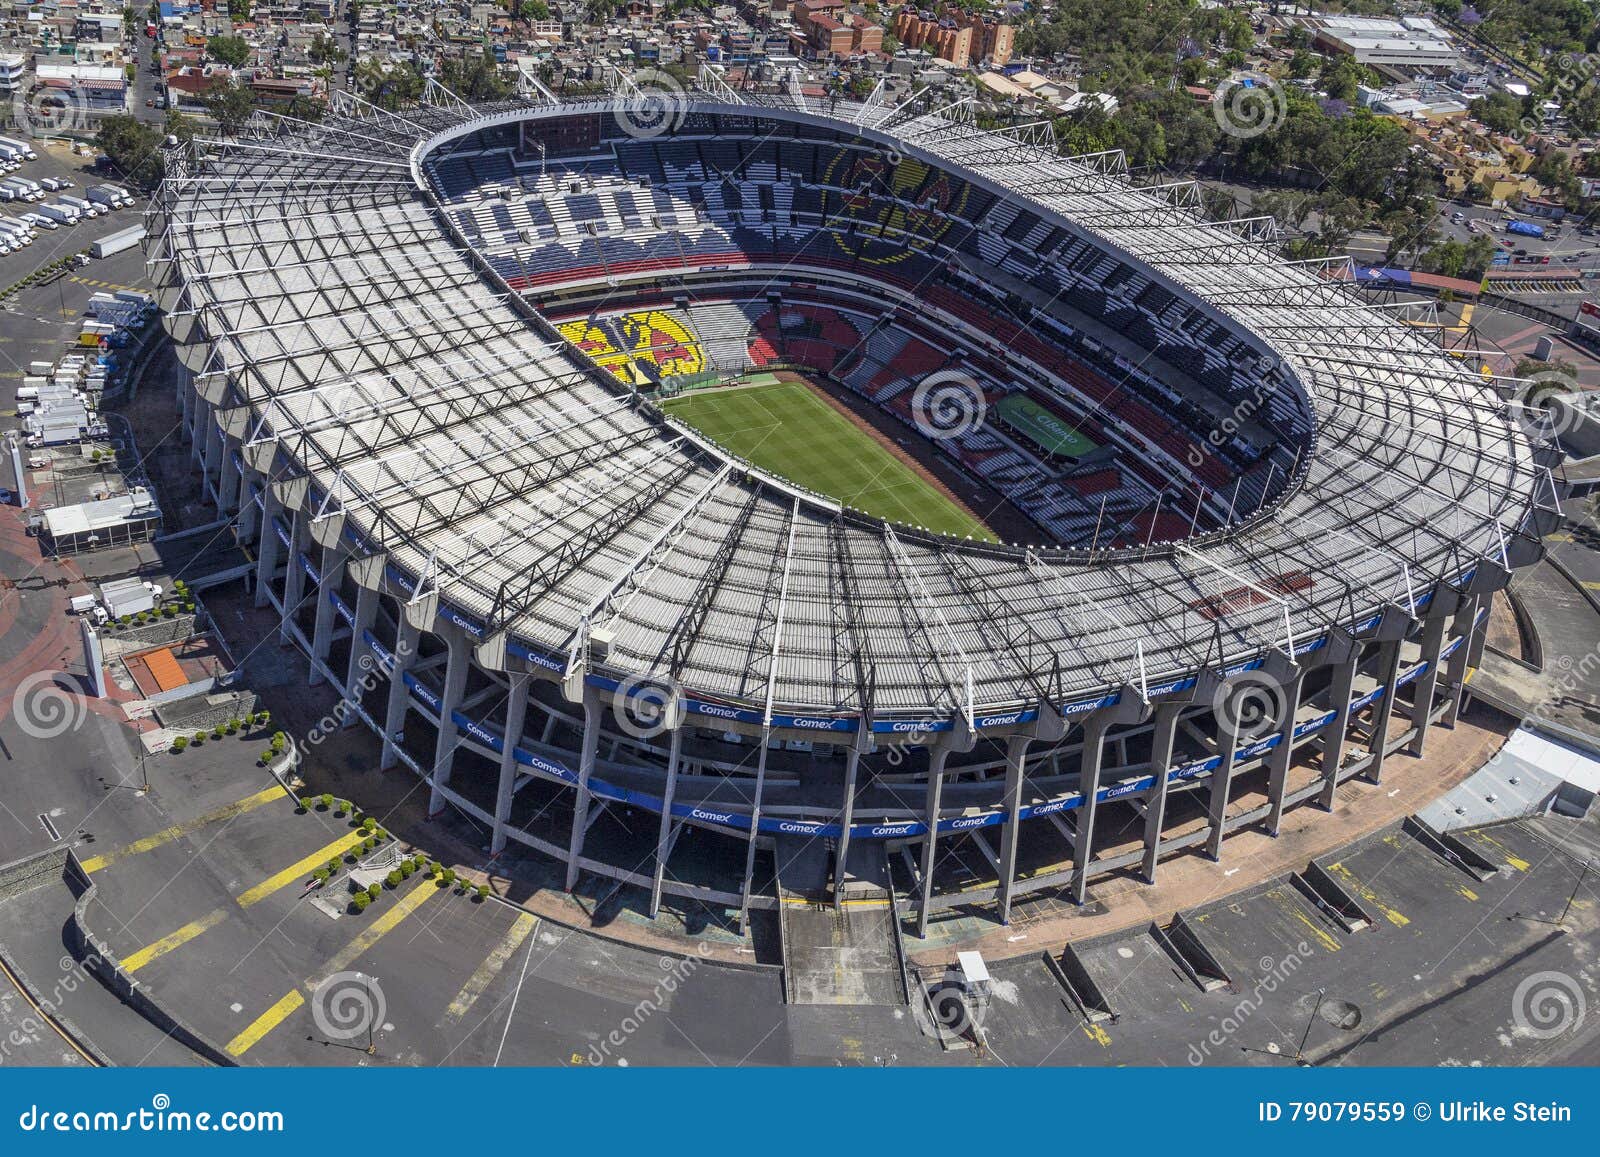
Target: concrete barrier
column 1184, row 945
column 1073, row 975
column 1452, row 850
column 95, row 955
column 1332, row 898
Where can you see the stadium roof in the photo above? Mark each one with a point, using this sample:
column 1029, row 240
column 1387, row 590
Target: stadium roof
column 353, row 340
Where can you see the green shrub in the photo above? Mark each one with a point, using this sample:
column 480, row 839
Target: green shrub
column 280, row 741
column 394, row 878
column 168, row 611
column 231, row 727
column 405, row 869
column 449, row 876
column 483, row 892
column 360, row 901
column 216, row 732
column 375, row 890
column 266, row 761
column 197, row 738
column 321, row 875
column 305, row 804
column 333, row 864
column 327, row 800
column 180, row 743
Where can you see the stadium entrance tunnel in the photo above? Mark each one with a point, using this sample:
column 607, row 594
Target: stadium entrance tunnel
column 452, row 407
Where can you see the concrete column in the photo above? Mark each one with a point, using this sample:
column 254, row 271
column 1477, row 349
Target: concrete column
column 516, row 713
column 294, row 575
column 1129, row 708
column 1456, row 665
column 248, row 524
column 394, row 720
column 1011, row 801
column 1337, row 733
column 1427, row 683
column 199, row 422
column 1163, row 731
column 937, row 756
column 212, row 464
column 664, row 833
column 1291, row 678
column 449, row 737
column 1221, row 785
column 361, row 664
column 755, row 823
column 1089, row 765
column 852, row 768
column 229, row 485
column 327, row 619
column 187, row 401
column 580, row 806
column 268, row 547
column 1383, row 709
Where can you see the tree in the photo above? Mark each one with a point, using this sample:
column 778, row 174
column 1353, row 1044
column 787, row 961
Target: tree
column 389, row 88
column 1499, row 111
column 230, row 106
column 476, row 78
column 132, row 147
column 325, row 50
column 230, row 50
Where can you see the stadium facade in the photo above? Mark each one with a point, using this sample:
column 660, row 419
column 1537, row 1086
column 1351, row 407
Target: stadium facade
column 423, row 353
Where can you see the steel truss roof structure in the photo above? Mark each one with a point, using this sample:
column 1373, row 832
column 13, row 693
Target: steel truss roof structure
column 437, row 418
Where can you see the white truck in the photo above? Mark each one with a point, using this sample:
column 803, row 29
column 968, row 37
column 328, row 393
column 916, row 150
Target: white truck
column 129, row 597
column 117, row 242
column 84, row 208
column 22, row 147
column 25, row 189
column 59, row 213
column 109, row 195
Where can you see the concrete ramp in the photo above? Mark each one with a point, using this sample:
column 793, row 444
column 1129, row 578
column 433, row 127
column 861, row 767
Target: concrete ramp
column 844, row 954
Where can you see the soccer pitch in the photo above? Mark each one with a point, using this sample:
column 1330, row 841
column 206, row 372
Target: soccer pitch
column 790, row 431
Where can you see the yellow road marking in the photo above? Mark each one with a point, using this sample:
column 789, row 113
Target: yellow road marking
column 491, row 966
column 1591, row 586
column 178, row 831
column 299, row 868
column 264, row 1024
column 173, row 940
column 376, row 931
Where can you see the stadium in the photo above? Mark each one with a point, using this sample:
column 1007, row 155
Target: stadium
column 745, row 497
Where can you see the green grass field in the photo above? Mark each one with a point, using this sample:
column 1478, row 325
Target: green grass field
column 789, row 430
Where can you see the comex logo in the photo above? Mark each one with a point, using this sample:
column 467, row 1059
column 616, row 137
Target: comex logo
column 1547, row 1005
column 1249, row 706
column 1248, row 106
column 948, row 404
column 645, row 706
column 348, row 1005
column 44, row 708
column 658, row 108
